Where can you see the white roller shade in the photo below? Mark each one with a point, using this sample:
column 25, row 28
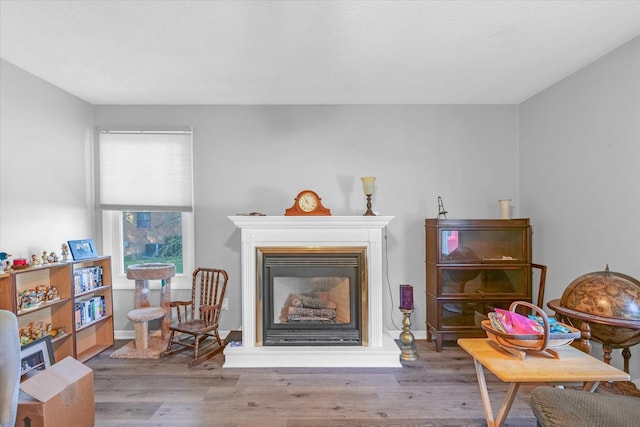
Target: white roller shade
column 145, row 171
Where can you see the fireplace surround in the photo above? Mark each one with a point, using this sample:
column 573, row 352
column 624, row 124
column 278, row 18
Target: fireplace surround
column 302, row 239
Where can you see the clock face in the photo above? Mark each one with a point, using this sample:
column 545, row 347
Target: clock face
column 307, row 202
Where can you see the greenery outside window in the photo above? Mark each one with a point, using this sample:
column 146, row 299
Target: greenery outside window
column 152, row 237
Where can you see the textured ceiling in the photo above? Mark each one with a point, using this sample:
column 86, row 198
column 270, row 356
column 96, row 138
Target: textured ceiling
column 310, row 52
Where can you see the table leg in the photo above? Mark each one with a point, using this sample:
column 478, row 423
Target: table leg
column 591, row 386
column 606, row 348
column 486, row 401
column 484, row 394
column 585, row 337
column 506, row 405
column 626, row 355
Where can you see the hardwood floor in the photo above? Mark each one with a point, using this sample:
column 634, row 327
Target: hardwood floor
column 440, row 389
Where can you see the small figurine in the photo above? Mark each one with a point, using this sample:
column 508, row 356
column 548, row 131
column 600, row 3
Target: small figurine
column 41, row 293
column 29, row 299
column 53, row 257
column 52, row 293
column 44, row 257
column 31, row 332
column 34, row 260
column 65, row 252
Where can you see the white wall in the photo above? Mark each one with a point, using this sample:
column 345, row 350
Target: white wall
column 257, row 158
column 45, row 175
column 580, row 171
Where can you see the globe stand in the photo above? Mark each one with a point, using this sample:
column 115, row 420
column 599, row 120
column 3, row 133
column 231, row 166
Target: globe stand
column 408, row 351
column 610, row 325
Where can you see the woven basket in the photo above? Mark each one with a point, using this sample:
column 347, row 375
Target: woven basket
column 517, row 345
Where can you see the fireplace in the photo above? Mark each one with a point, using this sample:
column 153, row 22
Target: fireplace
column 330, row 258
column 311, row 296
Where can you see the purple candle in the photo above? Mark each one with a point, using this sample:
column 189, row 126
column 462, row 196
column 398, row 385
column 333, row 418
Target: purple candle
column 406, row 297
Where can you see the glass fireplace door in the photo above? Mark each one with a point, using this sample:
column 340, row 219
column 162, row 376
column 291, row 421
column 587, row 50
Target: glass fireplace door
column 312, row 300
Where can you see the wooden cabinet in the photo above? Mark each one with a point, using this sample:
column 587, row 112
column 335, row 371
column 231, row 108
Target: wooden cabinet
column 472, row 267
column 72, row 301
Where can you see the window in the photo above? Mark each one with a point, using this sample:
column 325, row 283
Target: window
column 144, row 187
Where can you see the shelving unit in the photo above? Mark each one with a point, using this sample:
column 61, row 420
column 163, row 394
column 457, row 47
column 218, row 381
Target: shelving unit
column 473, row 267
column 80, row 340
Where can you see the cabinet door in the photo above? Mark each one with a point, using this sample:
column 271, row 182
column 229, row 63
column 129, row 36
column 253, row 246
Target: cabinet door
column 474, row 281
column 481, row 246
column 461, row 314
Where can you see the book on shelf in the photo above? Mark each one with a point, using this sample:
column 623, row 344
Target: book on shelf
column 89, row 310
column 85, row 279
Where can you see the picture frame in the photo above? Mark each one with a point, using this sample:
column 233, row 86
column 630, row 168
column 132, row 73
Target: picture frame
column 82, row 249
column 36, row 355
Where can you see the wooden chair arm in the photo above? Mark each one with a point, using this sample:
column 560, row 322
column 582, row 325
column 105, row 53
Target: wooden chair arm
column 180, row 303
column 182, row 309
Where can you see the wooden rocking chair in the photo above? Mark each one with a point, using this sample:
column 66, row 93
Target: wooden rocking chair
column 207, row 293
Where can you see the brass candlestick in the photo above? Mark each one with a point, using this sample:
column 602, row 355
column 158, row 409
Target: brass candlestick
column 368, row 183
column 408, row 350
column 369, row 212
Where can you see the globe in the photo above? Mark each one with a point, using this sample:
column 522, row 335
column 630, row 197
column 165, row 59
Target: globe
column 606, row 295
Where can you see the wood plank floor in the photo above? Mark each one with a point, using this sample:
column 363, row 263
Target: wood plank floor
column 438, row 390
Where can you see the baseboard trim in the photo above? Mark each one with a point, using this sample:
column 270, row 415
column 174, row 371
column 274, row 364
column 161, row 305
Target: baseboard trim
column 129, row 334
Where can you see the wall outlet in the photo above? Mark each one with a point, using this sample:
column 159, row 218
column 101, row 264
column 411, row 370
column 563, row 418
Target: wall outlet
column 225, row 304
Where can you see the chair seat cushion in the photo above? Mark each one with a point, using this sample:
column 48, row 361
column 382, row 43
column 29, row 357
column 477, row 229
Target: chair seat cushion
column 554, row 407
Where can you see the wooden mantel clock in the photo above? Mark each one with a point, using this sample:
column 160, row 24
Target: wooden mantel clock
column 307, row 203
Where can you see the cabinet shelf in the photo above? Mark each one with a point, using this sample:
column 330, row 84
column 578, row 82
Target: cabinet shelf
column 80, row 342
column 85, row 355
column 60, row 338
column 502, row 261
column 473, row 267
column 95, row 291
column 43, row 305
column 93, row 322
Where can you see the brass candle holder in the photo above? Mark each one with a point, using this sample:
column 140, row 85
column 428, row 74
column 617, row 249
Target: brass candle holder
column 408, row 351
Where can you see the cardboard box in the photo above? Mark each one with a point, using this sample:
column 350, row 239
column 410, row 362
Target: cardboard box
column 59, row 396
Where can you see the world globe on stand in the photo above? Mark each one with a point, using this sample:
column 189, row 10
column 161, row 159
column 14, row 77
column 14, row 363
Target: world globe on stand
column 606, row 294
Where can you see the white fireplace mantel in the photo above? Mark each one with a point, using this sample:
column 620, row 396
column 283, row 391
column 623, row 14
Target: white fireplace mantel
column 313, row 231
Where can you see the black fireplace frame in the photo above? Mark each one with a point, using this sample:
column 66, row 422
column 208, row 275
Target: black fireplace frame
column 306, row 262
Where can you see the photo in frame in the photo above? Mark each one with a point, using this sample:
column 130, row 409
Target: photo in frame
column 82, row 249
column 36, row 355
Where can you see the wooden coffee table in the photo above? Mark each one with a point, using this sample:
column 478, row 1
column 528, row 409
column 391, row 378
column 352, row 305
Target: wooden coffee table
column 572, row 366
